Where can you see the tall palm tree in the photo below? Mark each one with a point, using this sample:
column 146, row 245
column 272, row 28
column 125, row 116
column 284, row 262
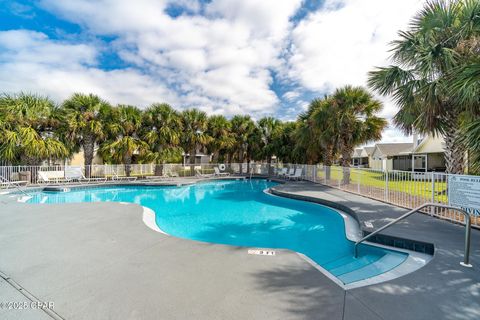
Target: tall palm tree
column 243, row 127
column 28, row 125
column 269, row 129
column 219, row 129
column 423, row 59
column 162, row 130
column 124, row 136
column 85, row 116
column 283, row 142
column 354, row 116
column 194, row 134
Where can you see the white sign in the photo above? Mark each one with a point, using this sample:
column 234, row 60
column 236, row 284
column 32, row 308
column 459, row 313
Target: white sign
column 464, row 192
column 261, row 252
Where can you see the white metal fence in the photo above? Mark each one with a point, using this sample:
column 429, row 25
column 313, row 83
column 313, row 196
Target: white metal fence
column 402, row 188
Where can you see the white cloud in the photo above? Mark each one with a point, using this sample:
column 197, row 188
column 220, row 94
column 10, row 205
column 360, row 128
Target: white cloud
column 219, row 58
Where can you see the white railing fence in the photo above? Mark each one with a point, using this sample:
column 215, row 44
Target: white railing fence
column 402, row 188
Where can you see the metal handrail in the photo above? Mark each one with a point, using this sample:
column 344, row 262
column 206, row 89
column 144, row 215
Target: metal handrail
column 16, row 186
column 466, row 257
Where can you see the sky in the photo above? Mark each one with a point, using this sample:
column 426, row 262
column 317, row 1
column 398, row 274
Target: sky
column 262, row 58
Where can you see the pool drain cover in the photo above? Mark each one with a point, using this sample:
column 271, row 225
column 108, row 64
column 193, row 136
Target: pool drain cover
column 261, row 252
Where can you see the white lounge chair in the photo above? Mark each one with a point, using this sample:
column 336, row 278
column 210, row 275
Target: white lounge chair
column 290, row 173
column 116, row 177
column 282, row 172
column 76, row 174
column 52, row 177
column 220, row 174
column 297, row 175
column 203, row 175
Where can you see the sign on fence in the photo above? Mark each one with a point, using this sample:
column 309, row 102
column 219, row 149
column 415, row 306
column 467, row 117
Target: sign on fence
column 464, row 192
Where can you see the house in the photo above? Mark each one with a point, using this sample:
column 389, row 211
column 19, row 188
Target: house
column 78, row 158
column 362, row 157
column 200, row 158
column 429, row 154
column 392, row 156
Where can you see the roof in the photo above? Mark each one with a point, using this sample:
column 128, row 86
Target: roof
column 393, row 149
column 357, row 153
column 431, row 144
column 369, row 150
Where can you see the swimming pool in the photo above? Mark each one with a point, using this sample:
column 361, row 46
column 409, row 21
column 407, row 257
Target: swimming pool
column 240, row 213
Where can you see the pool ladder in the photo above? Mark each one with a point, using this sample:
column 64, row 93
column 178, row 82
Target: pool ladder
column 466, row 256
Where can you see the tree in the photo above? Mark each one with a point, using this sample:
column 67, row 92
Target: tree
column 219, row 129
column 424, row 58
column 353, row 120
column 84, row 123
column 243, row 129
column 162, row 129
column 194, row 135
column 124, row 136
column 269, row 129
column 28, row 125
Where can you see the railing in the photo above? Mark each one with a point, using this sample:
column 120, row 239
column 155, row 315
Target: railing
column 466, row 256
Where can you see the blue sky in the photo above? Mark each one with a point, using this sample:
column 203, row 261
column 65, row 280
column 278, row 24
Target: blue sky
column 226, row 57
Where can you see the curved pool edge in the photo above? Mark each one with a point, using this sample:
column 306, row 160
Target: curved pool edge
column 414, row 261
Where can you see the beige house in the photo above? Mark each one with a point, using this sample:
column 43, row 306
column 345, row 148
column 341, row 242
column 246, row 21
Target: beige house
column 77, row 159
column 391, row 156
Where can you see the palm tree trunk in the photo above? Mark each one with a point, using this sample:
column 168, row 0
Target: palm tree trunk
column 127, row 160
column 328, row 161
column 193, row 156
column 88, row 152
column 269, row 162
column 240, row 160
column 454, row 150
column 347, row 151
column 158, row 169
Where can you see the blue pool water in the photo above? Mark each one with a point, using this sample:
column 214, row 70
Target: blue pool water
column 240, row 213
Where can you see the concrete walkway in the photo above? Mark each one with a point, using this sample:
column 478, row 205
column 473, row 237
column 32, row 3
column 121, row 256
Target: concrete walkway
column 99, row 261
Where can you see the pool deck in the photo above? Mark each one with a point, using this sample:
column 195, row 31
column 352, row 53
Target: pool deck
column 100, row 261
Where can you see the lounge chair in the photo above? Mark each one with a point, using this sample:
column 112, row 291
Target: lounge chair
column 52, row 177
column 220, row 174
column 163, row 177
column 282, row 172
column 116, row 177
column 297, row 175
column 76, row 174
column 290, row 173
column 203, row 175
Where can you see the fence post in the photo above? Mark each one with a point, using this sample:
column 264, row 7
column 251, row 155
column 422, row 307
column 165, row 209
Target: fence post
column 386, row 186
column 359, row 173
column 432, row 208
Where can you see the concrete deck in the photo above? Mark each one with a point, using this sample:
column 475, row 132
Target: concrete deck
column 99, row 261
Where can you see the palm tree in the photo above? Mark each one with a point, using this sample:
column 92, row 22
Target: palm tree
column 162, row 129
column 424, row 57
column 269, row 129
column 219, row 129
column 243, row 128
column 28, row 125
column 124, row 136
column 194, row 134
column 353, row 122
column 84, row 123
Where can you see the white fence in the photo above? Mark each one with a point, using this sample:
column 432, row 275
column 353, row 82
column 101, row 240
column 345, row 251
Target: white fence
column 402, row 188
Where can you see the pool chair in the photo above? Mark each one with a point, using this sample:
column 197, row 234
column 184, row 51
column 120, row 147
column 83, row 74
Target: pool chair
column 297, row 175
column 198, row 174
column 52, row 177
column 290, row 173
column 76, row 174
column 163, row 177
column 116, row 177
column 220, row 174
column 282, row 172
